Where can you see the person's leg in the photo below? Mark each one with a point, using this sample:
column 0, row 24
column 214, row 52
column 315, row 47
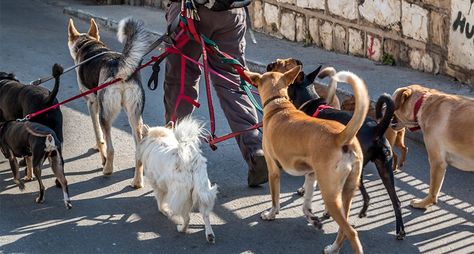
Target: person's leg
column 173, row 75
column 229, row 35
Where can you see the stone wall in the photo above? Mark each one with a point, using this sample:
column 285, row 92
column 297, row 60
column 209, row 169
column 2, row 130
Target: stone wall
column 435, row 36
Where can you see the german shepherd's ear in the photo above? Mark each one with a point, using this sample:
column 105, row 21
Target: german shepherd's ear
column 291, row 75
column 254, row 77
column 93, row 30
column 170, row 125
column 72, row 31
column 145, row 130
column 312, row 76
column 400, row 96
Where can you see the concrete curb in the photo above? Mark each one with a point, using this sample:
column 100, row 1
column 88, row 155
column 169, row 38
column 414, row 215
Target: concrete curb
column 251, row 64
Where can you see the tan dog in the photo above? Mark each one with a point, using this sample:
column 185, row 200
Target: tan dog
column 321, row 150
column 396, row 138
column 447, row 123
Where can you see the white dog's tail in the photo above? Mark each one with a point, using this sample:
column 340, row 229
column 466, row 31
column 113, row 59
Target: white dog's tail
column 188, row 132
column 131, row 33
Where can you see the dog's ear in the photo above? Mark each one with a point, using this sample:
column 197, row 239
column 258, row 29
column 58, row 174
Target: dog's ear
column 93, row 30
column 291, row 75
column 400, row 96
column 145, row 129
column 312, row 76
column 254, row 77
column 170, row 125
column 72, row 31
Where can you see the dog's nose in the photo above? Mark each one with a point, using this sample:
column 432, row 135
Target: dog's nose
column 270, row 66
column 298, row 62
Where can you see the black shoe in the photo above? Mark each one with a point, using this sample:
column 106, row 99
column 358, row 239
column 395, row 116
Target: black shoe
column 258, row 172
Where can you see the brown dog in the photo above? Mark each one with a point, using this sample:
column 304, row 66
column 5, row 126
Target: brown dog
column 396, row 138
column 447, row 123
column 321, row 150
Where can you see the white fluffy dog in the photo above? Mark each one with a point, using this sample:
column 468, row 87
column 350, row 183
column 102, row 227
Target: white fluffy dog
column 177, row 172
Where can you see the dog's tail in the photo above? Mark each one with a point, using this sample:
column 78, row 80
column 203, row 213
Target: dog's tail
column 385, row 119
column 332, row 88
column 57, row 71
column 188, row 132
column 361, row 105
column 131, row 33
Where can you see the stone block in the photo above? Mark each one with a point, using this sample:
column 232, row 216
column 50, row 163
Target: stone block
column 426, row 63
column 325, row 35
column 287, row 1
column 438, row 27
column 385, row 13
column 340, row 42
column 343, row 8
column 404, row 57
column 444, row 4
column 374, row 47
column 313, row 27
column 311, row 4
column 356, row 42
column 301, row 30
column 272, row 17
column 288, row 25
column 415, row 59
column 258, row 17
column 392, row 47
column 414, row 21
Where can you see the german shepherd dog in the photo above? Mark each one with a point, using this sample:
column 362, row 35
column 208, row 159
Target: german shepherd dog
column 127, row 94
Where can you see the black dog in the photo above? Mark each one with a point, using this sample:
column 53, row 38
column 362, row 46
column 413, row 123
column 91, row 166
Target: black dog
column 17, row 100
column 371, row 135
column 25, row 139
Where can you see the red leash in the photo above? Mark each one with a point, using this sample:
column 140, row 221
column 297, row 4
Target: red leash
column 93, row 90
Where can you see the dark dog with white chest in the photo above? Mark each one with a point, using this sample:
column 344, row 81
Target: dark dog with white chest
column 29, row 139
column 371, row 135
column 17, row 100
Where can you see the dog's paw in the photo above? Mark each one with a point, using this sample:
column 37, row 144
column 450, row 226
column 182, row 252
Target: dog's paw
column 181, row 228
column 211, row 238
column 136, row 185
column 20, row 183
column 108, row 169
column 331, row 249
column 362, row 214
column 421, row 203
column 325, row 216
column 401, row 235
column 300, row 191
column 39, row 200
column 28, row 178
column 68, row 204
column 268, row 215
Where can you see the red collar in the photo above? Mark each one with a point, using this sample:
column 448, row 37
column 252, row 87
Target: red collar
column 319, row 109
column 418, row 104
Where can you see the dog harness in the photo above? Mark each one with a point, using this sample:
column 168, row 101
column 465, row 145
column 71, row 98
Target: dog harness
column 319, row 109
column 418, row 104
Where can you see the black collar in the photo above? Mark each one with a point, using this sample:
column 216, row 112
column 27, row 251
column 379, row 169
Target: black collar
column 274, row 98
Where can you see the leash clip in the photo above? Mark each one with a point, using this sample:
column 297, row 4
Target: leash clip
column 26, row 118
column 210, row 141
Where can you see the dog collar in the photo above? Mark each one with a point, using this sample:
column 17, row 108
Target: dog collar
column 274, row 98
column 319, row 109
column 418, row 104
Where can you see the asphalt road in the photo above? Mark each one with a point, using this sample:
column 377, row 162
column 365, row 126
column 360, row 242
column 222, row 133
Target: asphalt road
column 108, row 216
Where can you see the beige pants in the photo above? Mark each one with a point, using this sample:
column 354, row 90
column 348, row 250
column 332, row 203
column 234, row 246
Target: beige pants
column 227, row 29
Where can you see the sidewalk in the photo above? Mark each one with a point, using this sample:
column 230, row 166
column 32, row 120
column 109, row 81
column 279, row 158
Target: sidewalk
column 379, row 78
